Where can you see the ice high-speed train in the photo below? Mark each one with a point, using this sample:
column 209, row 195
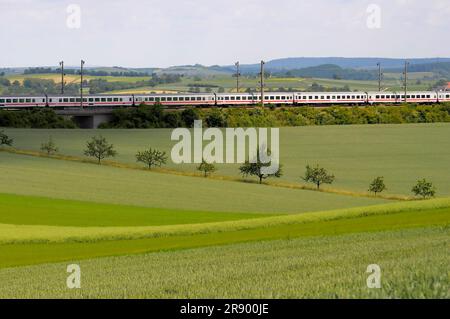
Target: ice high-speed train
column 223, row 99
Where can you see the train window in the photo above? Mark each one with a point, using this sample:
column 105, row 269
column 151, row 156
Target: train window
column 21, row 100
column 204, row 98
column 84, row 100
column 322, row 97
column 116, row 99
column 447, row 96
column 103, row 99
column 377, row 96
column 8, row 100
column 163, row 99
column 338, row 97
column 66, row 100
column 348, row 97
column 233, row 98
column 14, row 100
column 199, row 98
column 272, row 97
column 277, row 98
column 334, row 97
column 2, row 100
column 151, row 99
column 244, row 98
column 169, row 99
column 305, row 97
column 91, row 99
column 109, row 99
column 28, row 100
column 238, row 98
column 157, row 99
column 423, row 96
column 175, row 98
column 98, row 100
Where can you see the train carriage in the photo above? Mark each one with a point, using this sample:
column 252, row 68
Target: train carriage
column 278, row 98
column 395, row 97
column 323, row 98
column 176, row 100
column 444, row 96
column 14, row 102
column 90, row 101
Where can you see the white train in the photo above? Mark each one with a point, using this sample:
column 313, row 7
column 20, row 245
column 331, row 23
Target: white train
column 223, row 99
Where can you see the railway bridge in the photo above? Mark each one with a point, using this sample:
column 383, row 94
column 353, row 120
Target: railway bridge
column 87, row 118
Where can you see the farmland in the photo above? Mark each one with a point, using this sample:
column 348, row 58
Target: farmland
column 167, row 233
column 356, row 154
column 414, row 264
column 228, row 83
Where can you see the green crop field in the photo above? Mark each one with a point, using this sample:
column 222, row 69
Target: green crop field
column 28, row 175
column 28, row 210
column 168, row 234
column 414, row 264
column 355, row 154
column 73, row 78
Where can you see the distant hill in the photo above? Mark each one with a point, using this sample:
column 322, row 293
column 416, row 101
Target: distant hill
column 440, row 68
column 330, row 71
column 321, row 67
column 353, row 63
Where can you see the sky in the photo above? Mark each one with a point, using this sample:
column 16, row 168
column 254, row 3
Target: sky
column 157, row 33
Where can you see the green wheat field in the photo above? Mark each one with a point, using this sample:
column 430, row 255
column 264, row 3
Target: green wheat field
column 171, row 233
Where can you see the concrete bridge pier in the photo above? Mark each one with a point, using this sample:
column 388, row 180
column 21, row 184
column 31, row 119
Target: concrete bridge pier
column 87, row 118
column 91, row 121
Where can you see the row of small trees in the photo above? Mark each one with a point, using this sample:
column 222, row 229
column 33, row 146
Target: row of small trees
column 99, row 148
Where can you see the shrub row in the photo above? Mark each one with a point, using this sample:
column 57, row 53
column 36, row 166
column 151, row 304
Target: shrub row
column 155, row 117
column 34, row 119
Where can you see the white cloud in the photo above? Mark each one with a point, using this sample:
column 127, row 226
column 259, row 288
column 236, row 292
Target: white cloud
column 162, row 33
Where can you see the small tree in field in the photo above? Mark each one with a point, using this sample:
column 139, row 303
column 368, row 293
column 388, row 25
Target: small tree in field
column 318, row 176
column 424, row 189
column 377, row 186
column 254, row 169
column 99, row 148
column 5, row 139
column 206, row 168
column 49, row 147
column 152, row 157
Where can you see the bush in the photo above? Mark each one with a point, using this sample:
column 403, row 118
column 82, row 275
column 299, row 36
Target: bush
column 156, row 117
column 34, row 119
